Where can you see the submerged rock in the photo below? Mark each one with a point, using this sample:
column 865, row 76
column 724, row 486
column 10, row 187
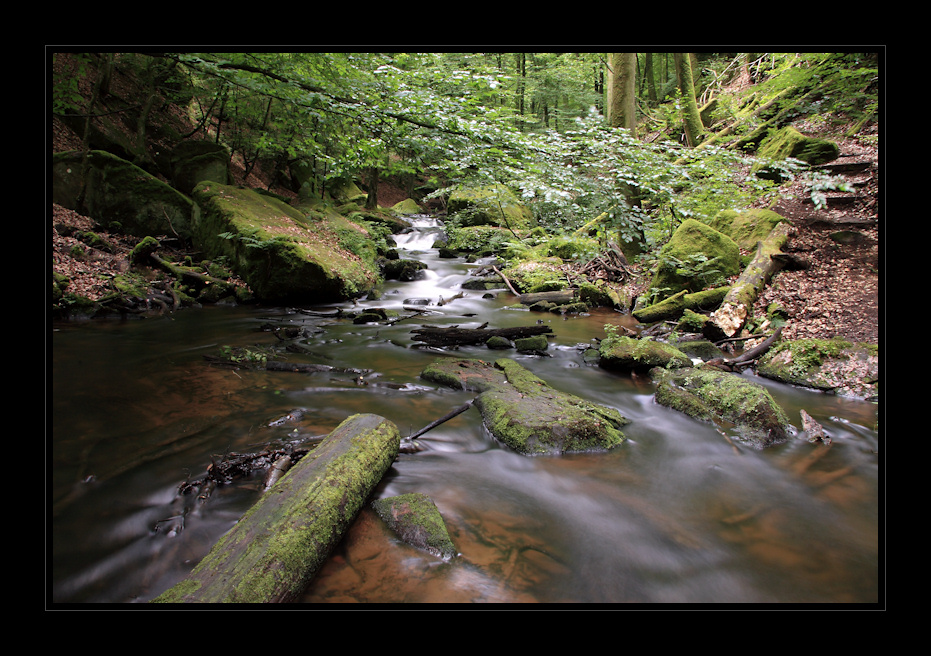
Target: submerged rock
column 416, row 520
column 711, row 395
column 525, row 413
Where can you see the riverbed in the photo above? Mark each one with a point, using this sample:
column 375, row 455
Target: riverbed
column 682, row 513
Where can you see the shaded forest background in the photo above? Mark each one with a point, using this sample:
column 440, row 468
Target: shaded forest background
column 546, row 124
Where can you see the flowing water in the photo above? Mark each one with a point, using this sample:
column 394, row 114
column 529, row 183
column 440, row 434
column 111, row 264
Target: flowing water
column 678, row 514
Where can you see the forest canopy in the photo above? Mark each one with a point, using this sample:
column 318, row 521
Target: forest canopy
column 642, row 140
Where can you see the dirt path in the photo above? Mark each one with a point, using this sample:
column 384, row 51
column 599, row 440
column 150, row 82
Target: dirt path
column 839, row 294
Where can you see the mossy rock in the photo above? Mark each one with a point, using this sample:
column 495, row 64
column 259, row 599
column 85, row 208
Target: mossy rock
column 196, row 161
column 828, row 365
column 747, row 227
column 715, row 396
column 789, row 142
column 406, row 207
column 630, row 354
column 404, row 270
column 532, row 276
column 477, row 239
column 597, row 294
column 498, row 342
column 494, row 205
column 700, row 348
column 533, row 344
column 571, row 248
column 117, row 191
column 417, row 521
column 283, row 254
column 346, row 191
column 525, row 413
column 697, row 256
column 483, row 283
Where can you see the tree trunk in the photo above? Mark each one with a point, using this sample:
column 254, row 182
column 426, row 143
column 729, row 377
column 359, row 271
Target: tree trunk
column 283, row 540
column 371, row 200
column 690, row 115
column 734, row 310
column 622, row 92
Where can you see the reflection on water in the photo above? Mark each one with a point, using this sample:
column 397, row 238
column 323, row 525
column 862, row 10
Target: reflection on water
column 676, row 515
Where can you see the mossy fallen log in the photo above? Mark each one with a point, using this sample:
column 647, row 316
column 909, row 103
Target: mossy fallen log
column 735, row 309
column 672, row 308
column 282, row 541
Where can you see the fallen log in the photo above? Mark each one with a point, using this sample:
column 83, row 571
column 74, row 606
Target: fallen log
column 735, row 309
column 455, row 336
column 282, row 541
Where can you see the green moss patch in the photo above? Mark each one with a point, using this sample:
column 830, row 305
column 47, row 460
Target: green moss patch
column 717, row 396
column 416, row 520
column 829, row 365
column 283, row 254
column 525, row 413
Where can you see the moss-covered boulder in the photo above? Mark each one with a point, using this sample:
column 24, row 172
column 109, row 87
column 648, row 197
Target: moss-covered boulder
column 406, row 207
column 629, row 354
column 283, row 254
column 718, row 396
column 481, row 240
column 532, row 344
column 117, row 191
column 533, row 276
column 197, row 161
column 403, row 269
column 525, row 413
column 829, row 365
column 697, row 256
column 747, row 227
column 495, row 205
column 417, row 521
column 789, row 142
column 346, row 191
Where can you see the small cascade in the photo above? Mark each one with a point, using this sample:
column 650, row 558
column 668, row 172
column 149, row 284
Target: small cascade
column 423, row 233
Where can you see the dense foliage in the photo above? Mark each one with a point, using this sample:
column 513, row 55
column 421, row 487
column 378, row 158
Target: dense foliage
column 532, row 121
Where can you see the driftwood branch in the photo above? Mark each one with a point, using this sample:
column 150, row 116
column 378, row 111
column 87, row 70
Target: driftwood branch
column 433, row 424
column 758, row 350
column 727, row 364
column 506, row 281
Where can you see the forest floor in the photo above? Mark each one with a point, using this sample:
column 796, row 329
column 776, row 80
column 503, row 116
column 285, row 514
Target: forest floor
column 837, row 295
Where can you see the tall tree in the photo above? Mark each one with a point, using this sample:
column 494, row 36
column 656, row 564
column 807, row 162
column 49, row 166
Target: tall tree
column 690, row 116
column 622, row 91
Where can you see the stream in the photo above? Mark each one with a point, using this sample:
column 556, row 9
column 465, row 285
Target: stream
column 674, row 516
